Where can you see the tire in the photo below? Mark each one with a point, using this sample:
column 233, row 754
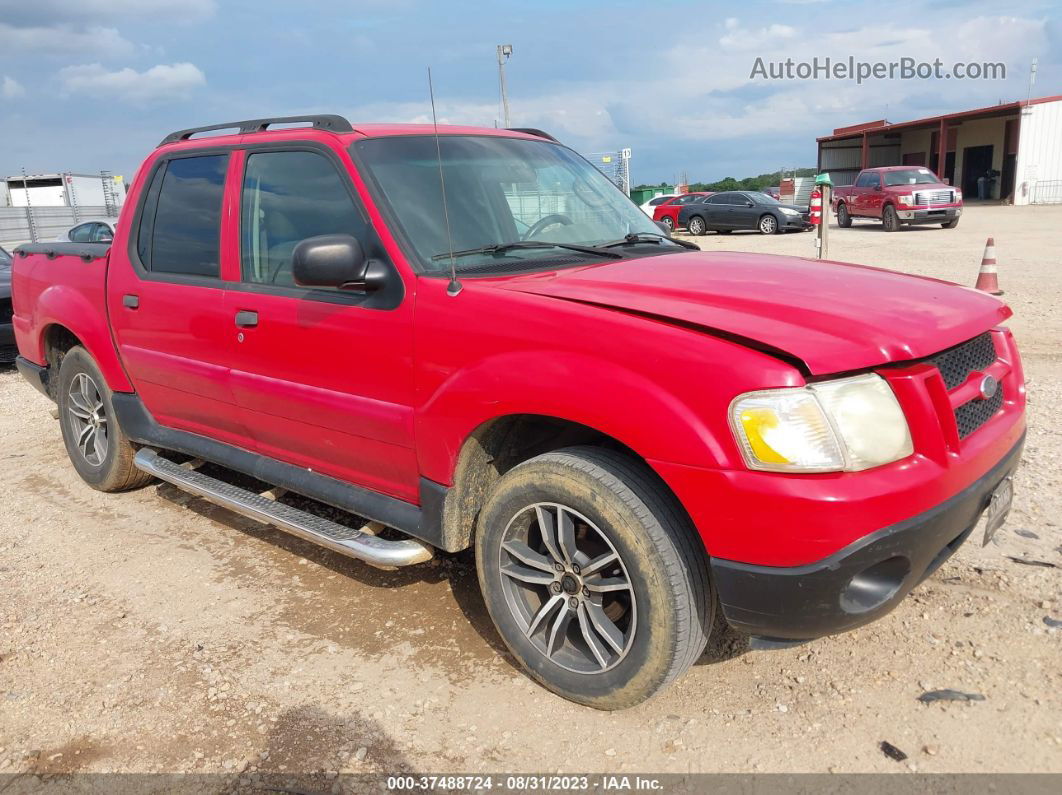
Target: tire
column 661, row 613
column 769, row 225
column 889, row 219
column 954, row 222
column 844, row 220
column 100, row 452
column 696, row 226
column 669, row 222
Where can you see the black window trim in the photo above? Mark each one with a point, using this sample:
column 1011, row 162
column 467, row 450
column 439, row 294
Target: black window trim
column 387, row 299
column 134, row 229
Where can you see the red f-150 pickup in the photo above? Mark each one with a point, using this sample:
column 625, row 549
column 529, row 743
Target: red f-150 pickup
column 898, row 195
column 471, row 338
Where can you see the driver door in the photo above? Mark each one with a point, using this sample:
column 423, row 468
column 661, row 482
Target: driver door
column 323, row 377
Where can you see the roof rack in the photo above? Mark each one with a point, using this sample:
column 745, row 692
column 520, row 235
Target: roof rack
column 329, row 122
column 533, row 131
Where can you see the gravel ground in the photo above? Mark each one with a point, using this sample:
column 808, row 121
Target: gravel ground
column 152, row 632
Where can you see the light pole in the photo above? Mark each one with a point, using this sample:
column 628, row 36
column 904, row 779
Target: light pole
column 504, row 51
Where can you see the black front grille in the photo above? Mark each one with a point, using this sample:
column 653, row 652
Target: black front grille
column 972, row 415
column 956, row 364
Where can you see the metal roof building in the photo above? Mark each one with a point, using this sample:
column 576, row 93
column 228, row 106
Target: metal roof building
column 1019, row 144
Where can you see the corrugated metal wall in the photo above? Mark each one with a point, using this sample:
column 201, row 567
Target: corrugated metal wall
column 48, row 222
column 1039, row 167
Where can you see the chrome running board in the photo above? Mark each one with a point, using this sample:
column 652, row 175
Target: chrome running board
column 348, row 541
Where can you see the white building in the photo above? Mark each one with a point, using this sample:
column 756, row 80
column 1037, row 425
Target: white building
column 1019, row 144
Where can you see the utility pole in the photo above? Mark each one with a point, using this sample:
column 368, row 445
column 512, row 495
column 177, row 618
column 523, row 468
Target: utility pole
column 504, row 51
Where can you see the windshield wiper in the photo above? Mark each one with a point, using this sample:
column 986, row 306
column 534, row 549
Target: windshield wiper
column 635, row 238
column 501, row 248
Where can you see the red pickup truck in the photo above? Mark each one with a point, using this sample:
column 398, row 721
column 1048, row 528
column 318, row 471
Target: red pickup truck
column 898, row 195
column 471, row 338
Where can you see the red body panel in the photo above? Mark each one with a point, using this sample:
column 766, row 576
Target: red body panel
column 649, row 351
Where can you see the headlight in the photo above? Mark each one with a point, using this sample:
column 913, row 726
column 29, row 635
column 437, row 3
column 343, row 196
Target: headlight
column 906, row 200
column 845, row 425
column 958, row 195
column 789, row 211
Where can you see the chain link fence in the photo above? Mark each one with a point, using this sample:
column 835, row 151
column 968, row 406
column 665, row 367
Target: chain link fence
column 39, row 224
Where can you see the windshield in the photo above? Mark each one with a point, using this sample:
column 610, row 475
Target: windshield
column 910, row 176
column 498, row 190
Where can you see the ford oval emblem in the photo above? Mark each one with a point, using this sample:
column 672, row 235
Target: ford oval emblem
column 989, row 387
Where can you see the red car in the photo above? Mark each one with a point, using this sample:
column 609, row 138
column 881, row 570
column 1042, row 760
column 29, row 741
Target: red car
column 667, row 213
column 631, row 434
column 898, row 195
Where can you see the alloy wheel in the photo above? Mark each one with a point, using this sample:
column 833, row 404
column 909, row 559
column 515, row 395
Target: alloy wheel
column 768, row 224
column 87, row 418
column 567, row 588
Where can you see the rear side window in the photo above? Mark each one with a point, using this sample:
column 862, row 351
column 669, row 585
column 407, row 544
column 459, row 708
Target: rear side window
column 81, row 234
column 288, row 197
column 180, row 225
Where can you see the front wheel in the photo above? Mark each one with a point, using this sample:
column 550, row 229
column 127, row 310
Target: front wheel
column 593, row 576
column 99, row 450
column 696, row 226
column 768, row 225
column 889, row 219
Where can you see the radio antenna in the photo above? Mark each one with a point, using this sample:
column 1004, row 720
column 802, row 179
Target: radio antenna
column 454, row 287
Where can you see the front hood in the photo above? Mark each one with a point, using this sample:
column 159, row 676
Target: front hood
column 832, row 316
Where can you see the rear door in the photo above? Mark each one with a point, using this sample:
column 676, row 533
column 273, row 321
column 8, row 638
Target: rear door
column 166, row 298
column 717, row 211
column 324, row 376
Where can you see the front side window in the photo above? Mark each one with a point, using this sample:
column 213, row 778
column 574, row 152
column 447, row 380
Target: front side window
column 183, row 236
column 499, row 190
column 288, row 197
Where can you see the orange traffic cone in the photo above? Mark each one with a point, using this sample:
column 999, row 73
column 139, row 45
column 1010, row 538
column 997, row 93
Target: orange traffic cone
column 987, row 277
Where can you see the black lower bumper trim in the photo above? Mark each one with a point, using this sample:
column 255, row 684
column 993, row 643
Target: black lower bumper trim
column 35, row 374
column 863, row 581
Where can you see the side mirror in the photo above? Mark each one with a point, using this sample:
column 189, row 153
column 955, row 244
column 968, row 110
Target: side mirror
column 878, row 186
column 663, row 228
column 947, row 180
column 750, row 204
column 335, row 261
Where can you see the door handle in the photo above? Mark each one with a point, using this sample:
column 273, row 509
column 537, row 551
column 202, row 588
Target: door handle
column 130, row 301
column 246, row 318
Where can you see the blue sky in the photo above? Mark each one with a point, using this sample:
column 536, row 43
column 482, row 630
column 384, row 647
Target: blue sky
column 91, row 84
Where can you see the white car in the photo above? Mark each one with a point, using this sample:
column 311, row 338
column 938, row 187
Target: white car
column 91, row 230
column 651, row 205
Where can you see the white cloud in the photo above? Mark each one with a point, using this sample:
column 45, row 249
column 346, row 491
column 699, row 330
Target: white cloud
column 11, row 88
column 739, row 38
column 159, row 83
column 64, row 40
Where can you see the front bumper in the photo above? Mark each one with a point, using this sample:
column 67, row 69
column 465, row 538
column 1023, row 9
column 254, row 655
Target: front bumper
column 861, row 582
column 798, row 222
column 929, row 215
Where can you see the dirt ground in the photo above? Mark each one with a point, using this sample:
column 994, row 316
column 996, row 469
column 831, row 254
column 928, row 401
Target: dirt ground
column 153, row 632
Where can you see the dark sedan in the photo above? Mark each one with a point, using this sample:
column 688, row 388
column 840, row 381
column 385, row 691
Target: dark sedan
column 8, row 351
column 725, row 212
